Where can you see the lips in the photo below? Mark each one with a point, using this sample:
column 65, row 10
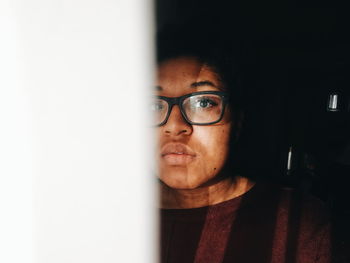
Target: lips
column 177, row 154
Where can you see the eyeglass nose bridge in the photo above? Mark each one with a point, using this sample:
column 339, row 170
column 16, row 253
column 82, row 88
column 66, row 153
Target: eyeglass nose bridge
column 172, row 102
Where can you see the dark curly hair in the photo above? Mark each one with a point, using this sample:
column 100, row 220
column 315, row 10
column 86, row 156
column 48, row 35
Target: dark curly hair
column 210, row 48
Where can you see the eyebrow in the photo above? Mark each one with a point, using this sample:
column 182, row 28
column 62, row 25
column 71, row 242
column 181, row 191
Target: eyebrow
column 158, row 88
column 202, row 83
column 195, row 85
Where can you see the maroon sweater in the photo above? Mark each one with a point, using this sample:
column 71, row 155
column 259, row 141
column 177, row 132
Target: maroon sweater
column 266, row 224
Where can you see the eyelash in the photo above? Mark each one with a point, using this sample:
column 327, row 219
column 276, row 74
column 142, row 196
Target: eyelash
column 207, row 100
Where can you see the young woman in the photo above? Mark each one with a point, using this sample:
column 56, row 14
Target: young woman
column 209, row 213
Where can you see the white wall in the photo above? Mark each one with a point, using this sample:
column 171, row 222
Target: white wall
column 75, row 184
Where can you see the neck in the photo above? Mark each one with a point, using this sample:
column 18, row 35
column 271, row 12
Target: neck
column 221, row 191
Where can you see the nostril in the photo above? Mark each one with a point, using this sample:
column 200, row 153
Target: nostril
column 177, row 133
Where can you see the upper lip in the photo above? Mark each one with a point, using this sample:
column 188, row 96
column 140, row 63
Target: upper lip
column 176, row 148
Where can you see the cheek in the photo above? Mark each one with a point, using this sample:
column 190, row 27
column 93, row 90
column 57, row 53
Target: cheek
column 215, row 143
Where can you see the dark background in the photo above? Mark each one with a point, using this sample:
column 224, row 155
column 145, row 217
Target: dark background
column 298, row 54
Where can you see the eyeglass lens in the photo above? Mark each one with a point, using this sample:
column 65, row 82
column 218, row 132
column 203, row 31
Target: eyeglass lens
column 160, row 110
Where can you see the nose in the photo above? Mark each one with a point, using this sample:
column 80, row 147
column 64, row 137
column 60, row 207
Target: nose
column 176, row 124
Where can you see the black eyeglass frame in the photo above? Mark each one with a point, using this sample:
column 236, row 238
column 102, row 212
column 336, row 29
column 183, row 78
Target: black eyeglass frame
column 179, row 101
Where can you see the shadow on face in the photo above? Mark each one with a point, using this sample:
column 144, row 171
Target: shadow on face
column 190, row 156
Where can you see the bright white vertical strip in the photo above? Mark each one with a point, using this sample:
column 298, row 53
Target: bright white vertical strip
column 289, row 161
column 87, row 65
column 15, row 147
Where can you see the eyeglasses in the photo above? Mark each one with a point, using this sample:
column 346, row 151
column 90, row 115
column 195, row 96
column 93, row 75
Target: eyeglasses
column 198, row 108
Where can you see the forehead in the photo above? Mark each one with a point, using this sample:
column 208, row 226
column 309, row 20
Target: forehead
column 183, row 75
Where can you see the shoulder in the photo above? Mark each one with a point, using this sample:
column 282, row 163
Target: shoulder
column 309, row 224
column 296, row 207
column 309, row 208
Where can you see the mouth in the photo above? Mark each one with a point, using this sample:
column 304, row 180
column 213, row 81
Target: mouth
column 177, row 154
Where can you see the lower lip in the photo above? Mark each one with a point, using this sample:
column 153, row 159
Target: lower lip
column 177, row 159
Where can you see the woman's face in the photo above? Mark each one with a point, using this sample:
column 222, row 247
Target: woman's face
column 189, row 156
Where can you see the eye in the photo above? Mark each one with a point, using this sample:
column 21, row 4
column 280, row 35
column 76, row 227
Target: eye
column 204, row 103
column 158, row 106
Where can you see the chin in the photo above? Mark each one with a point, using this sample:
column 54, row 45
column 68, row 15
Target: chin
column 180, row 180
column 180, row 186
